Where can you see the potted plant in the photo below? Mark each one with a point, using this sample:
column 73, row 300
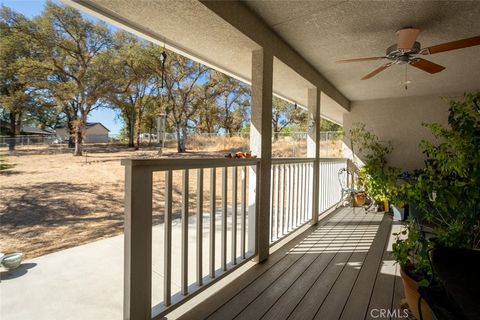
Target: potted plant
column 376, row 176
column 398, row 194
column 411, row 252
column 446, row 197
column 359, row 198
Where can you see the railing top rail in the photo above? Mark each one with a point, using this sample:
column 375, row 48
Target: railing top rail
column 292, row 160
column 191, row 163
column 305, row 160
column 333, row 159
column 196, row 163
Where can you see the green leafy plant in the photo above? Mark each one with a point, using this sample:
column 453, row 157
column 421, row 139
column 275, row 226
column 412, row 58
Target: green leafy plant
column 452, row 174
column 446, row 192
column 376, row 176
column 411, row 252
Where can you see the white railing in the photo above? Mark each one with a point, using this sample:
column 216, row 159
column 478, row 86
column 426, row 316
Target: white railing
column 330, row 191
column 208, row 243
column 210, row 215
column 291, row 192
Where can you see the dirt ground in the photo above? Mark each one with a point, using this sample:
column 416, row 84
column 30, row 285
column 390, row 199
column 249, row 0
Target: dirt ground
column 51, row 200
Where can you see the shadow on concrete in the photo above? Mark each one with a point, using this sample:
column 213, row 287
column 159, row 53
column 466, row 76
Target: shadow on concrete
column 18, row 272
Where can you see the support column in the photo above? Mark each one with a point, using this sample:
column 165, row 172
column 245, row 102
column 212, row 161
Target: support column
column 138, row 243
column 313, row 147
column 261, row 145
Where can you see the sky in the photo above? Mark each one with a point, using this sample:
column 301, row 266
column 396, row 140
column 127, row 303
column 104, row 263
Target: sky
column 30, row 8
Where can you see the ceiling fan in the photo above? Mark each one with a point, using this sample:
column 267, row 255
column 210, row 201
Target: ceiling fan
column 407, row 51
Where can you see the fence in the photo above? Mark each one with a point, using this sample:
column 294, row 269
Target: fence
column 28, row 140
column 286, row 146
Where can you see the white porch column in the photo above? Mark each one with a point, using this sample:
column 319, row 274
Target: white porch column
column 138, row 243
column 261, row 145
column 313, row 147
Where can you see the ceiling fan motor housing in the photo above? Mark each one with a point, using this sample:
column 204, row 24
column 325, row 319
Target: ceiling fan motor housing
column 402, row 55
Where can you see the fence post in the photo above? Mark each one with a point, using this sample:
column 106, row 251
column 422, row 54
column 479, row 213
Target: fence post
column 138, row 242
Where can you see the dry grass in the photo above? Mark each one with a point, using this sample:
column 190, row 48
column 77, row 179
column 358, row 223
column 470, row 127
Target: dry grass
column 51, row 200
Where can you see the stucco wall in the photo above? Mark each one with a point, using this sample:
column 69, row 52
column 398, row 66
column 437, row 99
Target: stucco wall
column 400, row 121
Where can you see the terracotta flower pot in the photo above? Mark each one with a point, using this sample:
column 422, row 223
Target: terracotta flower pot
column 359, row 198
column 412, row 295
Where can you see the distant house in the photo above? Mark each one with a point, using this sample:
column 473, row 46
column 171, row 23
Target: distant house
column 95, row 132
column 27, row 130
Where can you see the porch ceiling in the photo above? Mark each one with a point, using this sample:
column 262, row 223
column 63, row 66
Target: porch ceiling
column 326, row 31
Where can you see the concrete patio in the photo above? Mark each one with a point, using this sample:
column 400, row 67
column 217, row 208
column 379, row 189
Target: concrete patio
column 86, row 282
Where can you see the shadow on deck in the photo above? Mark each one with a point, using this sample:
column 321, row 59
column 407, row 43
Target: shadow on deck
column 340, row 269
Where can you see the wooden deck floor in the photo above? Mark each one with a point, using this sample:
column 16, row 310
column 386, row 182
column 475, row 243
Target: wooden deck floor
column 341, row 269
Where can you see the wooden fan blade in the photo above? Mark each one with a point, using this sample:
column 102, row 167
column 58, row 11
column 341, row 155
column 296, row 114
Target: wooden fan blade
column 407, row 38
column 454, row 45
column 427, row 66
column 360, row 59
column 376, row 71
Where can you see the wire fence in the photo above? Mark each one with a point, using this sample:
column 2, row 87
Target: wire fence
column 284, row 144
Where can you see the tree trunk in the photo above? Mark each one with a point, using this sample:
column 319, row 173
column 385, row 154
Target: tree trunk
column 180, row 139
column 275, row 136
column 139, row 129
column 131, row 130
column 70, row 131
column 13, row 132
column 79, row 130
column 137, row 144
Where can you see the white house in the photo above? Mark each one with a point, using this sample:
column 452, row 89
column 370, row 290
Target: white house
column 95, row 132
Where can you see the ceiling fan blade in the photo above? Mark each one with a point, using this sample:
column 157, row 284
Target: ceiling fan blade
column 426, row 65
column 407, row 38
column 376, row 71
column 459, row 44
column 360, row 59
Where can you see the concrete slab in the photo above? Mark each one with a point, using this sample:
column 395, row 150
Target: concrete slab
column 86, row 282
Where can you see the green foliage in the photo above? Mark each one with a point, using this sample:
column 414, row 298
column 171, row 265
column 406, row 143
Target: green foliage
column 17, row 97
column 377, row 177
column 59, row 66
column 327, row 125
column 285, row 114
column 411, row 251
column 446, row 192
column 452, row 172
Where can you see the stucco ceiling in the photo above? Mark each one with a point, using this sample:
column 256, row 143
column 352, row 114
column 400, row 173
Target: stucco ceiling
column 326, row 31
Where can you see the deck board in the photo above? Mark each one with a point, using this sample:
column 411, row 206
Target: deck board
column 358, row 301
column 248, row 295
column 339, row 270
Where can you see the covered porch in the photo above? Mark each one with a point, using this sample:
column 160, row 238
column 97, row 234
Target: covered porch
column 339, row 268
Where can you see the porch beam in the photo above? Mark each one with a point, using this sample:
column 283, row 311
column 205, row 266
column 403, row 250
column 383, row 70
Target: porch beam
column 261, row 145
column 247, row 22
column 313, row 147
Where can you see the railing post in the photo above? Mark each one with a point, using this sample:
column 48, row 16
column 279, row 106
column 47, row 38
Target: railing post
column 313, row 148
column 138, row 243
column 261, row 145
